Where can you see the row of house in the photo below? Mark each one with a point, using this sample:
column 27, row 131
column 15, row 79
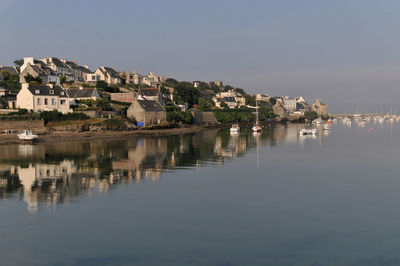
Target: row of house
column 287, row 107
column 50, row 70
column 146, row 108
column 151, row 80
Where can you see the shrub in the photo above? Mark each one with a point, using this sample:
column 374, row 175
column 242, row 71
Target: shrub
column 54, row 116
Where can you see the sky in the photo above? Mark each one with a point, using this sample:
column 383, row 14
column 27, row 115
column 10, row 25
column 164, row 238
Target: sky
column 346, row 52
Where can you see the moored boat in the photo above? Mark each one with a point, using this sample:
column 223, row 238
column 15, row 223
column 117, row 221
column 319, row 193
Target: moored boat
column 308, row 131
column 235, row 128
column 27, row 136
column 327, row 126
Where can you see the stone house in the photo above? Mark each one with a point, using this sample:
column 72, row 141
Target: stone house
column 320, row 108
column 107, row 74
column 152, row 94
column 280, row 111
column 289, row 104
column 147, row 112
column 46, row 74
column 60, row 67
column 40, row 98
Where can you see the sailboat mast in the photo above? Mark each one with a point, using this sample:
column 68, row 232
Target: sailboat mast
column 256, row 112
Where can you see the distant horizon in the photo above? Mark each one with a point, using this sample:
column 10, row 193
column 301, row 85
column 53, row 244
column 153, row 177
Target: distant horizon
column 344, row 52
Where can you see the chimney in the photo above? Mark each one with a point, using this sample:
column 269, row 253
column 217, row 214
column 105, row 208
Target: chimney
column 28, row 60
column 64, row 61
column 50, row 85
column 75, row 61
column 24, row 86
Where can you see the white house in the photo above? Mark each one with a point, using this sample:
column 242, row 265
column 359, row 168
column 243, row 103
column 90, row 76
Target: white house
column 40, row 98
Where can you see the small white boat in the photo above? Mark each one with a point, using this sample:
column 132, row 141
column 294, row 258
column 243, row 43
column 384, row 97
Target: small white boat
column 309, row 131
column 235, row 128
column 27, row 135
column 256, row 128
column 317, row 121
column 327, row 126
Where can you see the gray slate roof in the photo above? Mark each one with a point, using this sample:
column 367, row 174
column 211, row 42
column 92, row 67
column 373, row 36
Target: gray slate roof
column 58, row 62
column 229, row 99
column 44, row 90
column 80, row 93
column 151, row 106
column 111, row 72
column 149, row 92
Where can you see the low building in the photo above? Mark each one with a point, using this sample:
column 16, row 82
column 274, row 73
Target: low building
column 147, row 112
column 40, row 98
column 83, row 94
column 320, row 108
column 201, row 118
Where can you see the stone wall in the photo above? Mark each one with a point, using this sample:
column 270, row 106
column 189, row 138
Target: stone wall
column 35, row 125
column 126, row 97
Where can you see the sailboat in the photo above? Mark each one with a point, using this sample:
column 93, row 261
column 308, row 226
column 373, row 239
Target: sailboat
column 256, row 127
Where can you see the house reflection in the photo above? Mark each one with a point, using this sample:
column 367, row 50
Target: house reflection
column 51, row 173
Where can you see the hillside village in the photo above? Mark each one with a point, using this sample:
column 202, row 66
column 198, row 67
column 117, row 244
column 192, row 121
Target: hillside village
column 58, row 89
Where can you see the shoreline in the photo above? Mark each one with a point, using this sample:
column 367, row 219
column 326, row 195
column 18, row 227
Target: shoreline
column 57, row 136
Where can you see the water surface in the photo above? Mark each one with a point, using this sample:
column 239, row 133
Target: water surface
column 209, row 198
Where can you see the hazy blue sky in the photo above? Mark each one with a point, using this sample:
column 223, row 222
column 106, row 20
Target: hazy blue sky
column 347, row 52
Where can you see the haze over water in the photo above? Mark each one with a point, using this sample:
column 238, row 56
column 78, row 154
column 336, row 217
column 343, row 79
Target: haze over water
column 205, row 199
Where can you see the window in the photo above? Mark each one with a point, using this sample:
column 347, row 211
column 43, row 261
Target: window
column 53, row 101
column 62, row 93
column 37, row 91
column 39, row 101
column 45, row 101
column 62, row 101
column 51, row 91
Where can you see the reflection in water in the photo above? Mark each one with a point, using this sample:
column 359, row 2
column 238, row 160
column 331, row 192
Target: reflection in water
column 52, row 173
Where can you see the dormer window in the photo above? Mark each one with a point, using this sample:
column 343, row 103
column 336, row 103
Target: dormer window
column 51, row 91
column 37, row 91
column 62, row 93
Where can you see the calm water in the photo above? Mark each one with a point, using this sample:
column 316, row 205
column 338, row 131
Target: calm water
column 205, row 199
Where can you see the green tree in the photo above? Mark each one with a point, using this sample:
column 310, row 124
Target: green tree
column 203, row 105
column 170, row 82
column 19, row 62
column 311, row 115
column 187, row 93
column 11, row 81
column 32, row 80
column 63, row 79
